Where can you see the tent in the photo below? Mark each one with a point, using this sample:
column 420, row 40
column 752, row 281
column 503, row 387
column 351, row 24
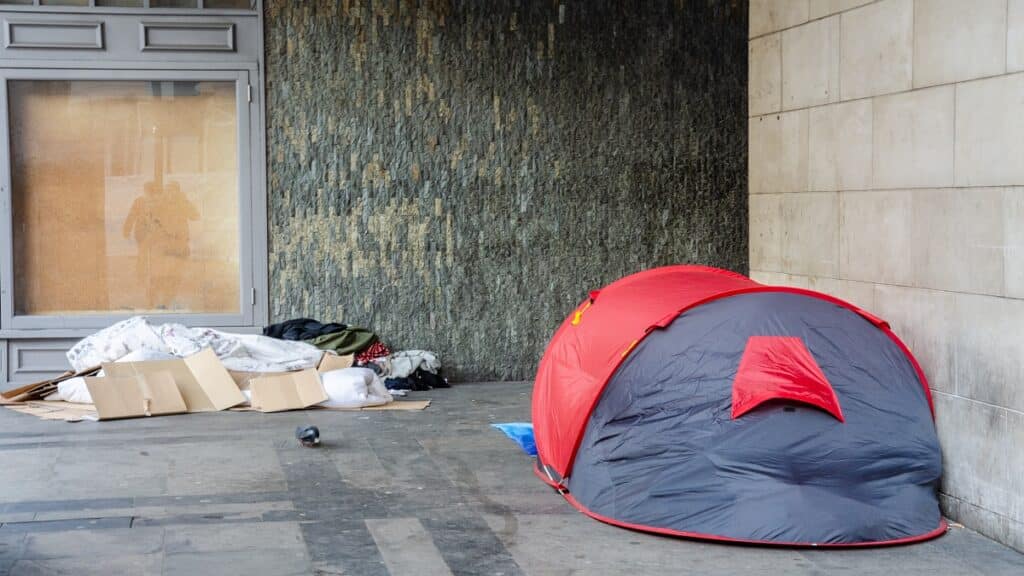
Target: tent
column 695, row 402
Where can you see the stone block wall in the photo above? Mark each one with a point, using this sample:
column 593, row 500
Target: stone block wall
column 886, row 163
column 457, row 175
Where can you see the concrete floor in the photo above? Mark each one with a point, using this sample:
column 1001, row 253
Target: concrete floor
column 432, row 492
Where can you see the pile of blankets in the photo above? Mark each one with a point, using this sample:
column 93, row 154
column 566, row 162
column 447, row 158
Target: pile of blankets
column 292, row 345
column 136, row 339
column 238, row 352
column 334, row 336
column 405, row 370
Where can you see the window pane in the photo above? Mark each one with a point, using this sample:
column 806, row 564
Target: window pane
column 173, row 4
column 125, row 196
column 65, row 2
column 120, row 3
column 20, row 2
column 239, row 4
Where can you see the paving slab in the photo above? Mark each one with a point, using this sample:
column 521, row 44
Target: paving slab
column 431, row 492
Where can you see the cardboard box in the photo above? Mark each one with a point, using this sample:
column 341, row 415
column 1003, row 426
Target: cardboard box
column 202, row 380
column 329, row 361
column 149, row 394
column 287, row 391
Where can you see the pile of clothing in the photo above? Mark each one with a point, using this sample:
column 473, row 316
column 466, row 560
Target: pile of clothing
column 414, row 370
column 138, row 340
column 334, row 336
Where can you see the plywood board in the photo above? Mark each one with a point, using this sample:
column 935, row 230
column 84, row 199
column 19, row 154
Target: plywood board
column 126, row 196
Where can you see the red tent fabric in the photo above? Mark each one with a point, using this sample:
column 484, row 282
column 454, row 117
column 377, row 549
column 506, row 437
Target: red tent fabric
column 607, row 325
column 591, row 343
column 781, row 368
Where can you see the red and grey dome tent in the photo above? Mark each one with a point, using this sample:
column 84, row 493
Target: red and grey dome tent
column 693, row 401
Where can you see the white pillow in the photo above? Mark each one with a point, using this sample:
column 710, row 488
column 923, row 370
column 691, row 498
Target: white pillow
column 353, row 388
column 72, row 390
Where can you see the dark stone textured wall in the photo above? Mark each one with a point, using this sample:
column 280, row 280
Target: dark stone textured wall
column 458, row 174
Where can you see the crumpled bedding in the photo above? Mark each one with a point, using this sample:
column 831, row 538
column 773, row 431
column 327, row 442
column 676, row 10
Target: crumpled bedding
column 239, row 352
column 402, row 364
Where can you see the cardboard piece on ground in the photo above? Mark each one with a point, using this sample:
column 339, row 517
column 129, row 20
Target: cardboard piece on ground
column 288, row 391
column 202, row 380
column 328, row 362
column 331, row 361
column 43, row 388
column 400, row 405
column 66, row 411
column 134, row 396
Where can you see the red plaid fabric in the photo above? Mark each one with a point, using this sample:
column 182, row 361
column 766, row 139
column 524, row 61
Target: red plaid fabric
column 376, row 350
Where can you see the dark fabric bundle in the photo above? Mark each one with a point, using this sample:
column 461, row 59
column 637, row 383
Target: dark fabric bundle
column 351, row 340
column 302, row 329
column 418, row 381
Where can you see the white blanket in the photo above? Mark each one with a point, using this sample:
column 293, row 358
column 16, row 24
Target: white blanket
column 240, row 352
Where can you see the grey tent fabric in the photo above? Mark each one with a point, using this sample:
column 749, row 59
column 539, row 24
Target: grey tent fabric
column 662, row 451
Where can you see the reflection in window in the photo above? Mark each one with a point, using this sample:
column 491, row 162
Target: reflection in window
column 125, row 196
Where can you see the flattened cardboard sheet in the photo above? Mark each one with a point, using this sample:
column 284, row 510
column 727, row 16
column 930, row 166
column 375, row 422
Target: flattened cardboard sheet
column 43, row 388
column 397, row 405
column 330, row 361
column 135, row 396
column 288, row 391
column 202, row 380
column 65, row 411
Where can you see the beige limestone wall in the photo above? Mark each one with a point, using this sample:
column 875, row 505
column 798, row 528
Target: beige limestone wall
column 887, row 167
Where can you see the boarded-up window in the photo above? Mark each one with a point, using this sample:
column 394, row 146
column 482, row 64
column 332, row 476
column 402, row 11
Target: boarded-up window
column 124, row 196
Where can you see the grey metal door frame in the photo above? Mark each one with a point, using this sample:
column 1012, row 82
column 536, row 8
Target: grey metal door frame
column 91, row 8
column 251, row 193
